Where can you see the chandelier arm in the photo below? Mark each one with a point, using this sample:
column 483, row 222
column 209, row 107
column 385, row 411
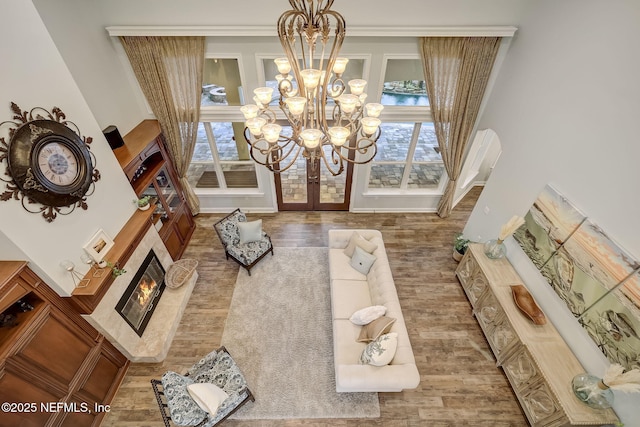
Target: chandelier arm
column 335, row 161
column 277, row 160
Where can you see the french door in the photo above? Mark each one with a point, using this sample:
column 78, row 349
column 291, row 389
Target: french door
column 304, row 187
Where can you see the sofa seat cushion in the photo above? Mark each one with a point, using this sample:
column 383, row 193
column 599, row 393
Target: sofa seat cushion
column 346, row 349
column 251, row 251
column 349, row 296
column 340, row 266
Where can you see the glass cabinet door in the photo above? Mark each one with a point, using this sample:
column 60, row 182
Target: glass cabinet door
column 168, row 190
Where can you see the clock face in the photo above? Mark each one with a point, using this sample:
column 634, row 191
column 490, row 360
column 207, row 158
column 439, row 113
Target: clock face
column 58, row 164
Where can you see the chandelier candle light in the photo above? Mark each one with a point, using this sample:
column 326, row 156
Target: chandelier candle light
column 308, row 81
column 495, row 248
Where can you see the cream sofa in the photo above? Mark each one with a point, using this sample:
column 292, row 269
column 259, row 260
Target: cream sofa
column 351, row 291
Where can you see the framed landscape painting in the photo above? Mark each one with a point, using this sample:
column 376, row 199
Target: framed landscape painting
column 614, row 323
column 549, row 223
column 588, row 266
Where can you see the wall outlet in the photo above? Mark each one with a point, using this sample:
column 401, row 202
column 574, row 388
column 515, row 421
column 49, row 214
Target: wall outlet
column 487, row 210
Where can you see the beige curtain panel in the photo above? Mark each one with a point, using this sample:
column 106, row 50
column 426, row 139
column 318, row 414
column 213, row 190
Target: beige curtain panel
column 456, row 71
column 169, row 70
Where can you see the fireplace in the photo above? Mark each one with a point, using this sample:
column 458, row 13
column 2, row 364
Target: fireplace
column 143, row 293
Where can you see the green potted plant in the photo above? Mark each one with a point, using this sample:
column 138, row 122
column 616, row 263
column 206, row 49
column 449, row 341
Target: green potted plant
column 143, row 203
column 115, row 269
column 460, row 245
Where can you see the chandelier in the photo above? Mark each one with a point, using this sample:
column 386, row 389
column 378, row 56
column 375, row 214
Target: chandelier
column 309, row 85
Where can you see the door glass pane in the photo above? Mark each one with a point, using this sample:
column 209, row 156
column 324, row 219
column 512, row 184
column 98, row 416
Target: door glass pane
column 221, row 82
column 293, row 182
column 332, row 188
column 386, row 176
column 404, row 83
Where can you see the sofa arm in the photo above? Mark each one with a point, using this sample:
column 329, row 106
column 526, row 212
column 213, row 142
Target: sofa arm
column 367, row 378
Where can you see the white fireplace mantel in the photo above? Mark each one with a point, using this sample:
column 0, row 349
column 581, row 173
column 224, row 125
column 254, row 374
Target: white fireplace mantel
column 154, row 344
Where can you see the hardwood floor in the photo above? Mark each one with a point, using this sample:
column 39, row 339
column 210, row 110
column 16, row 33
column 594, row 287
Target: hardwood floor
column 460, row 384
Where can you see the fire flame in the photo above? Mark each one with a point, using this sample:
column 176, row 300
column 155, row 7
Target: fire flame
column 145, row 290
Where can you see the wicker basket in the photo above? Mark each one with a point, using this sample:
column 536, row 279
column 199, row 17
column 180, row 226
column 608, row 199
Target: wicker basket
column 180, row 272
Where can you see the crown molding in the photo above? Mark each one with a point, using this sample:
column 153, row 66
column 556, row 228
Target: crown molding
column 270, row 31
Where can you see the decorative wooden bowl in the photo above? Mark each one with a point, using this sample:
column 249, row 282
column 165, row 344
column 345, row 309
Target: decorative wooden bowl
column 525, row 302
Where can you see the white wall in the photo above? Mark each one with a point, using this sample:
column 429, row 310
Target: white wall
column 565, row 107
column 77, row 28
column 35, row 75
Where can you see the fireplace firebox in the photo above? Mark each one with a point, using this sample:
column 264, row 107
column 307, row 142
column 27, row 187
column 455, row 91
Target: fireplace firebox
column 143, row 293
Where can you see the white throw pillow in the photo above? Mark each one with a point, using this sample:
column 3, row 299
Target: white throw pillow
column 358, row 240
column 368, row 314
column 381, row 351
column 362, row 261
column 250, row 231
column 208, row 396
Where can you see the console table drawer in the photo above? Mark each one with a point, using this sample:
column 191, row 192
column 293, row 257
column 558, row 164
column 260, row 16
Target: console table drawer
column 473, row 280
column 496, row 327
column 521, row 369
column 541, row 406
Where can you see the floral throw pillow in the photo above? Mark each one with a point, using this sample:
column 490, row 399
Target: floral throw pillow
column 381, row 351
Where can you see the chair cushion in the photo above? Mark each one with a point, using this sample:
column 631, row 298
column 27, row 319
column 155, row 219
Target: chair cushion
column 250, row 231
column 183, row 409
column 207, row 396
column 247, row 253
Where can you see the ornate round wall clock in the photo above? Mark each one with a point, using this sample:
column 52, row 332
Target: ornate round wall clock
column 48, row 161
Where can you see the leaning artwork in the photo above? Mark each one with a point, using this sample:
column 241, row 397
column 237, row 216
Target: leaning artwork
column 597, row 279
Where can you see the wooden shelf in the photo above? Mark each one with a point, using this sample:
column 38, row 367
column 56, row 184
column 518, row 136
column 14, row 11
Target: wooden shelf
column 87, row 298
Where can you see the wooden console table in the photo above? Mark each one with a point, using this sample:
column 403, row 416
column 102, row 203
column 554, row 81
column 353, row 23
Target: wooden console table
column 536, row 360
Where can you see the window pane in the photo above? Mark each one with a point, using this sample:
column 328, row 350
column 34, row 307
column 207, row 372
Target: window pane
column 425, row 175
column 221, row 82
column 240, row 175
column 355, row 70
column 202, row 151
column 404, row 83
column 427, row 149
column 394, row 141
column 386, row 176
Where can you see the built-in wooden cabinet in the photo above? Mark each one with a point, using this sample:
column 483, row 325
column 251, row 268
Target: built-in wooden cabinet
column 537, row 362
column 50, row 354
column 148, row 166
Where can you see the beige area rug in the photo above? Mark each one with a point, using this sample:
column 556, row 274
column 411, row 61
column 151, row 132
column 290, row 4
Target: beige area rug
column 279, row 332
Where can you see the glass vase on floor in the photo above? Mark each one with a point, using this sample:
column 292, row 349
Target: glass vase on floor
column 495, row 249
column 592, row 391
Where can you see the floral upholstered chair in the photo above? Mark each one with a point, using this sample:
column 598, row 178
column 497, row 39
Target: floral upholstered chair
column 177, row 400
column 244, row 241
